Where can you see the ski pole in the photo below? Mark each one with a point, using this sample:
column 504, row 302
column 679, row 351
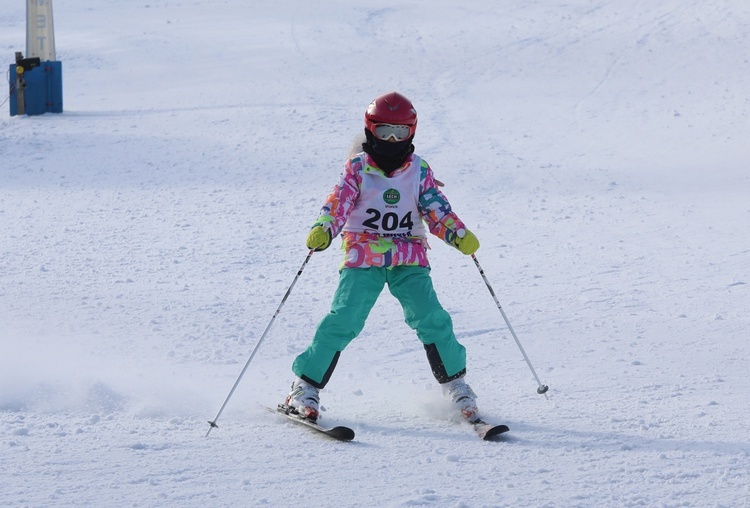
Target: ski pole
column 542, row 390
column 212, row 423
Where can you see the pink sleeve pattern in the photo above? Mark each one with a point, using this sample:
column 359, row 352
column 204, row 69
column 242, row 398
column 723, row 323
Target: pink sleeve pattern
column 436, row 210
column 340, row 202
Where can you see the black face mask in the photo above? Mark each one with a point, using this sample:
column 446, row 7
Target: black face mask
column 388, row 155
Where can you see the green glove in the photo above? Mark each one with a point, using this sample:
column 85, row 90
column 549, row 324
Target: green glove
column 468, row 244
column 318, row 238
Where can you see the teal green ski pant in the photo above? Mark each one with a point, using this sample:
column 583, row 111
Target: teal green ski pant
column 355, row 296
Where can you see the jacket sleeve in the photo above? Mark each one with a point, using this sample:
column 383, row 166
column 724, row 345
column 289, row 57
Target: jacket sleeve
column 340, row 202
column 436, row 210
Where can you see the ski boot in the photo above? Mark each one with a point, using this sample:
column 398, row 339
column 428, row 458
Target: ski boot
column 463, row 398
column 304, row 400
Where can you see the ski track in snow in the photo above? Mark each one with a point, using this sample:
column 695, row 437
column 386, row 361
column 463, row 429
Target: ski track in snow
column 149, row 233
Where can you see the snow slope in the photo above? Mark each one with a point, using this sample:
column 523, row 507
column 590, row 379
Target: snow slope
column 597, row 148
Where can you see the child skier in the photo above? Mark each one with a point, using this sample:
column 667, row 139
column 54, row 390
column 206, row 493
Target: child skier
column 384, row 197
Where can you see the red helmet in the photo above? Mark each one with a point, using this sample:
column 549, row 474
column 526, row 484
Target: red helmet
column 391, row 108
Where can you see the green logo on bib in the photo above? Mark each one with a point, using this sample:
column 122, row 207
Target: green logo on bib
column 391, row 196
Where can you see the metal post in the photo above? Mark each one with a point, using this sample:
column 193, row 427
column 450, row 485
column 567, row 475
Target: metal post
column 212, row 423
column 542, row 390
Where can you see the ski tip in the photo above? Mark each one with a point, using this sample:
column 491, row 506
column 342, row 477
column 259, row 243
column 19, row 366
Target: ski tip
column 341, row 433
column 495, row 432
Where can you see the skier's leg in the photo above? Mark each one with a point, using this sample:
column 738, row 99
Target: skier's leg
column 412, row 286
column 357, row 292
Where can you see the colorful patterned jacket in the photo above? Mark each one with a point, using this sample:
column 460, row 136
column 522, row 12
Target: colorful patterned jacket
column 384, row 228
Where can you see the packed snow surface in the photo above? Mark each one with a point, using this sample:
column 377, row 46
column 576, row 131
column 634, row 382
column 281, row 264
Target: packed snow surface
column 598, row 149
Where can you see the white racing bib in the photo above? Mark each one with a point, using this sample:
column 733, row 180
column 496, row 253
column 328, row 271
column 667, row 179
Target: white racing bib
column 388, row 206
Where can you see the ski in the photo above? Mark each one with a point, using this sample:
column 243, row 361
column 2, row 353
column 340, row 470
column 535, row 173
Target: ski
column 487, row 431
column 339, row 433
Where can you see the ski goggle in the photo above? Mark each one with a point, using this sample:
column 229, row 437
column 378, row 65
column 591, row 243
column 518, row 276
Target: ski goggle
column 392, row 132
